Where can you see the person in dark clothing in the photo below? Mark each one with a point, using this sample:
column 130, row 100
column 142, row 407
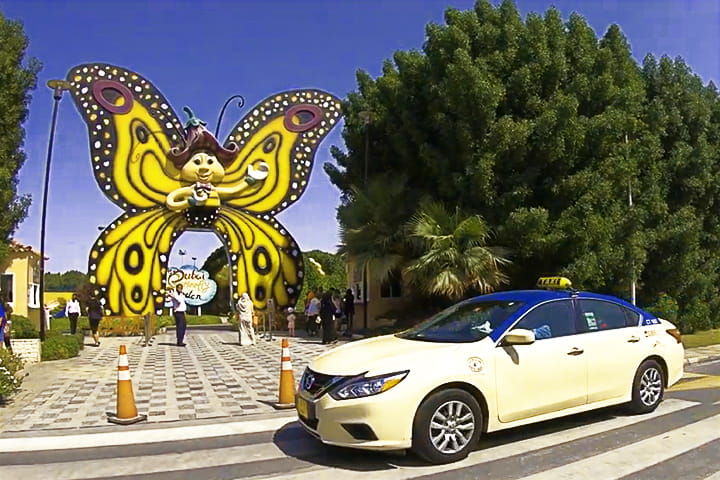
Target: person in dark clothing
column 349, row 307
column 327, row 313
column 94, row 311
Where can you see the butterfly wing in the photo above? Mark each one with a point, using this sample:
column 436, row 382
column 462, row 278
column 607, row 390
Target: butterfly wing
column 266, row 260
column 128, row 263
column 284, row 131
column 131, row 128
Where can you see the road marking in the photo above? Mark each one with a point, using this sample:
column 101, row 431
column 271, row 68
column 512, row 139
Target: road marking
column 637, row 456
column 147, row 464
column 714, row 476
column 700, row 383
column 498, row 452
column 130, row 437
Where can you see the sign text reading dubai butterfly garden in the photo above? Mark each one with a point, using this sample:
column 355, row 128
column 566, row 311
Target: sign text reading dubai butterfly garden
column 198, row 287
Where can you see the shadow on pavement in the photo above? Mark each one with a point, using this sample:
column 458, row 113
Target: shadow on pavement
column 296, row 443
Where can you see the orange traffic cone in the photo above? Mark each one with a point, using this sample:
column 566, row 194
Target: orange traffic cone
column 126, row 410
column 287, row 379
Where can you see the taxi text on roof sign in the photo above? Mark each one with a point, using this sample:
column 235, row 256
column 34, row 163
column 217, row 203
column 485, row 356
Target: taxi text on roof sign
column 560, row 283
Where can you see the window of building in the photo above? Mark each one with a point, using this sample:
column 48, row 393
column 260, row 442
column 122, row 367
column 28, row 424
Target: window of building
column 34, row 295
column 6, row 286
column 391, row 287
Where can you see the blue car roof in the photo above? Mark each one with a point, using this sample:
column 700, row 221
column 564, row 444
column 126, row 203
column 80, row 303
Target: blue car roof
column 533, row 297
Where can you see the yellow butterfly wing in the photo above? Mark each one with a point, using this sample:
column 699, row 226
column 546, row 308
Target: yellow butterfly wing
column 266, row 261
column 131, row 128
column 128, row 262
column 284, row 131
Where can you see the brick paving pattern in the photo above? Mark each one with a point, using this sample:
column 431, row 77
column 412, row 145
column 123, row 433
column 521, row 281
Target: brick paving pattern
column 212, row 376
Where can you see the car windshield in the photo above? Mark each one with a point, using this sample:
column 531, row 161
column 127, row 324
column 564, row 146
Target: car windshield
column 464, row 322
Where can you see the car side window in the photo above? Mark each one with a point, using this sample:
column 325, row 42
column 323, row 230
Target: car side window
column 601, row 315
column 549, row 320
column 632, row 319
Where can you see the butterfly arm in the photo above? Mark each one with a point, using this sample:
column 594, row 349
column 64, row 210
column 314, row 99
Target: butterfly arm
column 180, row 198
column 253, row 177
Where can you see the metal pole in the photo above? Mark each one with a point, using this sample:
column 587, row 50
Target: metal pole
column 58, row 86
column 632, row 261
column 365, row 267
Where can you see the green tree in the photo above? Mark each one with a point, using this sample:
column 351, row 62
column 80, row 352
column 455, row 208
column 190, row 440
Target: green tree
column 455, row 258
column 543, row 129
column 17, row 79
column 69, row 281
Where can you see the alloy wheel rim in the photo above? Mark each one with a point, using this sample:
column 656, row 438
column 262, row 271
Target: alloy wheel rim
column 650, row 386
column 451, row 427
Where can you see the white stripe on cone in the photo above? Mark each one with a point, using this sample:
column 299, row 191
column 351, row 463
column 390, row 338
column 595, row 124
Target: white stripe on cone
column 123, row 361
column 123, row 374
column 286, row 352
column 287, row 365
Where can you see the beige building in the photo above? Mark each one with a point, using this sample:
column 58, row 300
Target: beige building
column 20, row 281
column 384, row 299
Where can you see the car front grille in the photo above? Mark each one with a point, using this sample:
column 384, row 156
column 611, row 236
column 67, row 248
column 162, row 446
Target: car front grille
column 316, row 384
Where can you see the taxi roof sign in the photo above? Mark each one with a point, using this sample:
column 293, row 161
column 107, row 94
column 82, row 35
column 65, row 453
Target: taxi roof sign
column 554, row 283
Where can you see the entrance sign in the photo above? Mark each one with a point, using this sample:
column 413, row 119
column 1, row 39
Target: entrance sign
column 198, row 287
column 169, row 177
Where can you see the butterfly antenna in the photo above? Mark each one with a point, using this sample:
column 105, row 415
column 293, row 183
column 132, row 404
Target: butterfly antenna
column 241, row 103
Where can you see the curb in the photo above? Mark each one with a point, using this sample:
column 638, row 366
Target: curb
column 704, row 359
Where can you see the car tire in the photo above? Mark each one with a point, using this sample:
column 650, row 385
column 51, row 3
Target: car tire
column 447, row 426
column 648, row 387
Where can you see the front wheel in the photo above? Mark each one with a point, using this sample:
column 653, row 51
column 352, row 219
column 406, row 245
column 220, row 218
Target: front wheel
column 648, row 387
column 447, row 426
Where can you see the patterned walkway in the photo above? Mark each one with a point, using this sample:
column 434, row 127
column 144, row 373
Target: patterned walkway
column 211, row 377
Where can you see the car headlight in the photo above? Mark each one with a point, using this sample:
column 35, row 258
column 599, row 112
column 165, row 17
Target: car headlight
column 366, row 386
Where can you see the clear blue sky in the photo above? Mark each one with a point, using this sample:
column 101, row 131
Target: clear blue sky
column 199, row 53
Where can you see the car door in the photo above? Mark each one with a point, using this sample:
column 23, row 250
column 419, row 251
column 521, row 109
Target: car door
column 546, row 376
column 614, row 344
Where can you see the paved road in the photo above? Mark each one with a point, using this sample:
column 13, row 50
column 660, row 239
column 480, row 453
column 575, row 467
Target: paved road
column 680, row 440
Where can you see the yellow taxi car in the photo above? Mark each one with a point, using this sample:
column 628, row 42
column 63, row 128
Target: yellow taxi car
column 488, row 363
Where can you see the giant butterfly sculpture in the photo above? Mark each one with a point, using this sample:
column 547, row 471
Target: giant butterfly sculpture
column 169, row 178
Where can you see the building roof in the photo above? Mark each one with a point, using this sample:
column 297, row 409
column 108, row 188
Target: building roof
column 18, row 247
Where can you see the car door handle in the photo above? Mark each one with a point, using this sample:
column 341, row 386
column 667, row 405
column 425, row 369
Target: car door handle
column 634, row 339
column 576, row 351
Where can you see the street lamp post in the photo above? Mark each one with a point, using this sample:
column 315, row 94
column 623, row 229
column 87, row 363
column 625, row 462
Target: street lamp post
column 58, row 87
column 365, row 116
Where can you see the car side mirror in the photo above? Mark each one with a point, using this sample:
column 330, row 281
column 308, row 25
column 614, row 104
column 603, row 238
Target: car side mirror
column 519, row 336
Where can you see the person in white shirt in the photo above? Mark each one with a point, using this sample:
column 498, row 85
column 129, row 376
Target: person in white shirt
column 72, row 311
column 246, row 311
column 179, row 308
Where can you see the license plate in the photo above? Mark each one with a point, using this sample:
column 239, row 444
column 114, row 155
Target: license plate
column 302, row 407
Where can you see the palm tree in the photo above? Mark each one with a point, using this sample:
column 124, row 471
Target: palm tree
column 453, row 254
column 371, row 226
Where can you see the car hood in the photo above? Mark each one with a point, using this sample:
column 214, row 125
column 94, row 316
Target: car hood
column 378, row 355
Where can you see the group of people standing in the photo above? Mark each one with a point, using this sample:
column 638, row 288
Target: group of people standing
column 324, row 308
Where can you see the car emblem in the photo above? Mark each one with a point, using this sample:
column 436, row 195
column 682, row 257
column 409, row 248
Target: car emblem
column 308, row 381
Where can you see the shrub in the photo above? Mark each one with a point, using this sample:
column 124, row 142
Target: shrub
column 10, row 365
column 22, row 327
column 57, row 346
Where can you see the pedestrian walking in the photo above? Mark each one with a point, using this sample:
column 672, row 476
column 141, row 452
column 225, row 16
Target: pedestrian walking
column 246, row 312
column 312, row 312
column 72, row 312
column 179, row 308
column 291, row 321
column 327, row 313
column 349, row 308
column 94, row 313
column 6, row 309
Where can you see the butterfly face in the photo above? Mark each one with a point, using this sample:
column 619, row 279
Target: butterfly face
column 168, row 178
column 203, row 167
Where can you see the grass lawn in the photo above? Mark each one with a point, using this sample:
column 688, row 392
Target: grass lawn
column 701, row 339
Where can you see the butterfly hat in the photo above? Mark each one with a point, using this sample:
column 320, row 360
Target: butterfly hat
column 169, row 177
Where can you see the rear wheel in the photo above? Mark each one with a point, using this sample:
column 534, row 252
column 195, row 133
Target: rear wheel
column 648, row 387
column 447, row 426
